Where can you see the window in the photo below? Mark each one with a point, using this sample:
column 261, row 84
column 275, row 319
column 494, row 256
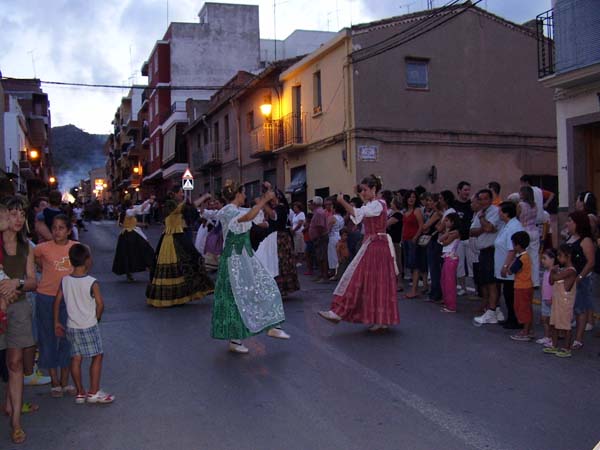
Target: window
column 226, row 130
column 317, row 105
column 417, row 76
column 156, row 61
column 216, row 132
column 151, row 110
column 205, row 136
column 151, row 150
column 156, row 105
column 322, row 192
column 250, row 121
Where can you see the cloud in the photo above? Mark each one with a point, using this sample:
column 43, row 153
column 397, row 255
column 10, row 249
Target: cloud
column 107, row 41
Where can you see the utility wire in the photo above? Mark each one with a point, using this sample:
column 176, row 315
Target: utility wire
column 118, row 86
column 416, row 35
column 419, row 22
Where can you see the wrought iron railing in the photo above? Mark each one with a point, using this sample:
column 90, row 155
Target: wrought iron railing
column 276, row 134
column 545, row 44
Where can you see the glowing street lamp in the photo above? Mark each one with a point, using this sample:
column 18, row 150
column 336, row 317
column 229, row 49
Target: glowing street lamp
column 52, row 180
column 34, row 154
column 266, row 108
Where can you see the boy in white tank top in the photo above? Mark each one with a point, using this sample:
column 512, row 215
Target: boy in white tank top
column 82, row 297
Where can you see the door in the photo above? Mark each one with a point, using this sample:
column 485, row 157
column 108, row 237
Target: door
column 592, row 144
column 296, row 125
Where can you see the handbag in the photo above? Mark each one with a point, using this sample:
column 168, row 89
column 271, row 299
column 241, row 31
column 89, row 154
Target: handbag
column 424, row 240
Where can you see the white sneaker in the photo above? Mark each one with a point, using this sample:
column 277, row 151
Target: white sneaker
column 589, row 327
column 460, row 291
column 237, row 347
column 277, row 333
column 100, row 397
column 37, row 378
column 488, row 317
column 499, row 315
column 544, row 341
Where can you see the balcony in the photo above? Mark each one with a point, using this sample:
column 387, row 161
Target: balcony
column 545, row 44
column 211, row 155
column 26, row 169
column 287, row 133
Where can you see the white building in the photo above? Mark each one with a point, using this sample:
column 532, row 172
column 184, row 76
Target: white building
column 573, row 71
column 15, row 142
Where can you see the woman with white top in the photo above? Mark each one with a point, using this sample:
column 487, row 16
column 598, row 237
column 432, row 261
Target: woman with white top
column 366, row 292
column 336, row 223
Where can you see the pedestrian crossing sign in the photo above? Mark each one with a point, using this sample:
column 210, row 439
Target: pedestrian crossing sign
column 188, row 185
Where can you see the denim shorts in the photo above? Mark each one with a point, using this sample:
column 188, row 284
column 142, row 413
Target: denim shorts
column 584, row 299
column 546, row 308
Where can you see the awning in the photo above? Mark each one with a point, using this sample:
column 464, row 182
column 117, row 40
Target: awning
column 169, row 144
column 298, row 183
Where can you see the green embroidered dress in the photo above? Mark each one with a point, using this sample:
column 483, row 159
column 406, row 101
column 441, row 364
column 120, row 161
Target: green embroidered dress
column 247, row 299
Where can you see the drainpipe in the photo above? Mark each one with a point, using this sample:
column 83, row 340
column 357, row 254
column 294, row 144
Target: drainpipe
column 238, row 124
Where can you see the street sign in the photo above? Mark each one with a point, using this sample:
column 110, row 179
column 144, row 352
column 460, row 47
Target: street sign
column 187, row 175
column 188, row 185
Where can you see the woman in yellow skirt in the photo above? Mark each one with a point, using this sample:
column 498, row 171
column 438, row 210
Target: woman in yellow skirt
column 178, row 275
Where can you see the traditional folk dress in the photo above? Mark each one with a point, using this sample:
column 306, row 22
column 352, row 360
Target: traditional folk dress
column 178, row 275
column 366, row 292
column 276, row 253
column 133, row 253
column 247, row 300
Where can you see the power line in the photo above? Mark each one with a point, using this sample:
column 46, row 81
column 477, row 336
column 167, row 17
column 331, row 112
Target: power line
column 416, row 35
column 420, row 22
column 120, row 86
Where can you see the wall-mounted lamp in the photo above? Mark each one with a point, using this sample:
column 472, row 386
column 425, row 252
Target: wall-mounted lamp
column 266, row 106
column 34, row 154
column 433, row 174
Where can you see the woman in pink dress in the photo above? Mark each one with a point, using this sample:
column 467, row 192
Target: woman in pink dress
column 366, row 292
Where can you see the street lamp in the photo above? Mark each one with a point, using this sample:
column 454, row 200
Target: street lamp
column 52, row 180
column 266, row 108
column 34, row 154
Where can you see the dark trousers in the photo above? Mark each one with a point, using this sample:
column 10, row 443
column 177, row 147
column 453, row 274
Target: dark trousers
column 508, row 291
column 434, row 260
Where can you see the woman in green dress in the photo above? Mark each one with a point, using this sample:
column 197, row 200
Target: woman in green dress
column 247, row 299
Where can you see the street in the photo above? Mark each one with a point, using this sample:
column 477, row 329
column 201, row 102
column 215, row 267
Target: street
column 434, row 382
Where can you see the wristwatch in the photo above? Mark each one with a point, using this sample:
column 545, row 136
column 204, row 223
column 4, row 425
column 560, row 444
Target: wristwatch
column 21, row 284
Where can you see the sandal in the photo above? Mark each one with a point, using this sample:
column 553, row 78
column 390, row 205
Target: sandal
column 577, row 345
column 56, row 392
column 411, row 296
column 18, row 436
column 80, row 398
column 69, row 389
column 29, row 407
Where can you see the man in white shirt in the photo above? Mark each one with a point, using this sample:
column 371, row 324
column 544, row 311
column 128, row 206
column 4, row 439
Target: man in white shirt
column 485, row 231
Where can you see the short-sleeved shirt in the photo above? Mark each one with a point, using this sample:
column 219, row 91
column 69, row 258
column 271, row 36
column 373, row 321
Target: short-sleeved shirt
column 465, row 213
column 521, row 267
column 318, row 224
column 503, row 244
column 55, row 264
column 492, row 215
column 395, row 230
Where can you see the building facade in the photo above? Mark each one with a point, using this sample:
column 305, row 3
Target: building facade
column 27, row 157
column 569, row 63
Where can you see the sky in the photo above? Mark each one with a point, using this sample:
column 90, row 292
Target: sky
column 106, row 41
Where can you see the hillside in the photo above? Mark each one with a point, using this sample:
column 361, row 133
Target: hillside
column 75, row 153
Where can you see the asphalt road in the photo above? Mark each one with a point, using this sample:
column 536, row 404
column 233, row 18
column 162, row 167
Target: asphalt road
column 435, row 382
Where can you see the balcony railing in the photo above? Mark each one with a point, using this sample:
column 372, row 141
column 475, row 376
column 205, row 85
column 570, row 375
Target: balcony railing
column 545, row 44
column 278, row 134
column 211, row 155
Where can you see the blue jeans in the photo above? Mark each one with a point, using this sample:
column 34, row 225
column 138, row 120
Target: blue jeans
column 54, row 351
column 434, row 260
